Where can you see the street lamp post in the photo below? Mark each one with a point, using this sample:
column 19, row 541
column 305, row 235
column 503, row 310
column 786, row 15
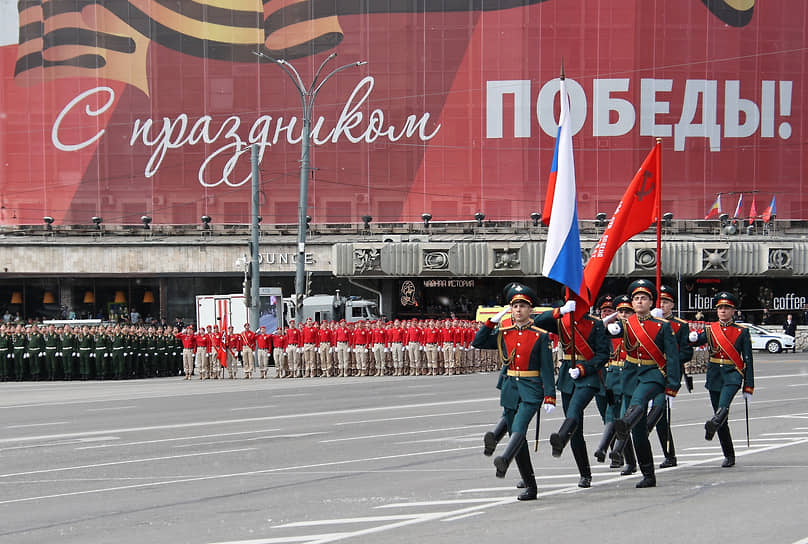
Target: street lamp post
column 307, row 97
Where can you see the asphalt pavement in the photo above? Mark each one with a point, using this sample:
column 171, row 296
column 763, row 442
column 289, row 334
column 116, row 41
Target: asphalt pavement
column 391, row 459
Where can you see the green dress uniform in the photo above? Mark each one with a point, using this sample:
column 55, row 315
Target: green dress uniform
column 525, row 383
column 730, row 368
column 103, row 355
column 86, row 346
column 52, row 346
column 20, row 344
column 652, row 367
column 120, row 346
column 70, row 351
column 591, row 352
column 614, row 386
column 161, row 355
column 6, row 356
column 657, row 415
column 36, row 352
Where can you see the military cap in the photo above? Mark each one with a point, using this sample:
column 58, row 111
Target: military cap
column 623, row 301
column 666, row 292
column 725, row 298
column 605, row 302
column 642, row 286
column 515, row 292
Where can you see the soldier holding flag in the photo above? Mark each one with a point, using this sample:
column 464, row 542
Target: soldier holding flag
column 729, row 369
column 525, row 381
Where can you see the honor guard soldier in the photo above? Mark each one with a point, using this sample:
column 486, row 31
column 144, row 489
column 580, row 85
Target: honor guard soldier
column 578, row 381
column 101, row 353
column 36, row 352
column 188, row 340
column 614, row 384
column 6, row 349
column 525, row 381
column 657, row 415
column 19, row 341
column 86, row 344
column 52, row 343
column 729, row 369
column 70, row 352
column 652, row 367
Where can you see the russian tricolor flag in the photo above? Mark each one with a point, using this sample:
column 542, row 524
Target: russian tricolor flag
column 562, row 254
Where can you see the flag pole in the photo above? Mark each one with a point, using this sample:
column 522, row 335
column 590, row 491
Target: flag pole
column 659, row 219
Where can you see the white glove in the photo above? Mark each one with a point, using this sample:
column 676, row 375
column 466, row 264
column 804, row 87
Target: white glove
column 454, row 349
column 693, row 336
column 300, row 350
column 670, row 401
column 747, row 396
column 609, row 318
column 500, row 315
column 387, row 350
column 568, row 307
column 614, row 328
column 650, row 404
column 657, row 312
column 548, row 408
column 575, row 373
column 26, row 355
column 349, row 350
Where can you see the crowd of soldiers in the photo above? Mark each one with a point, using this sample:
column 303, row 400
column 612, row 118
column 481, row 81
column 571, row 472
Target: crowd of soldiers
column 336, row 349
column 631, row 361
column 48, row 352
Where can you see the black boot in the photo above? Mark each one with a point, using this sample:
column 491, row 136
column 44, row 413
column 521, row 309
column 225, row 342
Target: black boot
column 726, row 446
column 715, row 422
column 605, row 441
column 623, row 426
column 648, row 478
column 492, row 438
column 654, row 415
column 666, row 440
column 582, row 461
column 503, row 461
column 630, row 458
column 559, row 440
column 526, row 471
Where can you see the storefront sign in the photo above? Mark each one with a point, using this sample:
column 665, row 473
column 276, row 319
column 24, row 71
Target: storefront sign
column 788, row 302
column 448, row 283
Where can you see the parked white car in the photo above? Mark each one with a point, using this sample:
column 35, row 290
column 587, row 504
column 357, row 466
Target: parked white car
column 773, row 342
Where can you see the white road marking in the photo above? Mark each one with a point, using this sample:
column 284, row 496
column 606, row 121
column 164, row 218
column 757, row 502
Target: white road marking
column 113, row 463
column 138, row 443
column 468, row 515
column 107, row 409
column 207, row 477
column 366, row 519
column 408, row 417
column 253, row 407
column 284, row 539
column 251, row 439
column 441, row 502
column 37, row 424
column 399, row 434
column 329, row 413
column 803, row 541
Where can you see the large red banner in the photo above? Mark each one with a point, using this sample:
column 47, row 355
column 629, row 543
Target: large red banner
column 124, row 108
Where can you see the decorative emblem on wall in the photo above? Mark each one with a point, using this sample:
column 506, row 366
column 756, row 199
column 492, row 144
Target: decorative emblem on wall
column 780, row 259
column 506, row 258
column 436, row 260
column 408, row 294
column 714, row 259
column 645, row 258
column 367, row 260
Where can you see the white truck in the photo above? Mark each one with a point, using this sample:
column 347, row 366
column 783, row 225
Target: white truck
column 330, row 308
column 230, row 310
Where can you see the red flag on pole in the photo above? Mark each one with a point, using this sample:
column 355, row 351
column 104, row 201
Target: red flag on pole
column 752, row 211
column 635, row 212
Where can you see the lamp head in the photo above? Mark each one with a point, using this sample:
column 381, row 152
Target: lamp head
column 366, row 219
column 97, row 221
column 601, row 218
column 48, row 220
column 205, row 222
column 536, row 217
column 667, row 218
column 427, row 217
column 724, row 218
column 145, row 219
column 479, row 216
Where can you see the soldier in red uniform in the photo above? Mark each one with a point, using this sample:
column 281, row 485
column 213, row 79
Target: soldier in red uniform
column 342, row 339
column 412, row 341
column 293, row 350
column 380, row 348
column 525, row 382
column 309, row 336
column 201, row 342
column 324, row 348
column 279, row 353
column 217, row 355
column 431, row 338
column 360, row 342
column 263, row 344
column 395, row 337
column 231, row 343
column 188, row 340
column 247, row 341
